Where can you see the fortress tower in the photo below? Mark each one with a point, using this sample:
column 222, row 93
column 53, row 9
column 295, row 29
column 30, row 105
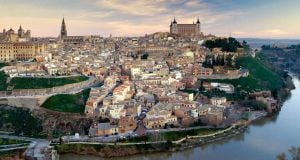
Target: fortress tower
column 193, row 29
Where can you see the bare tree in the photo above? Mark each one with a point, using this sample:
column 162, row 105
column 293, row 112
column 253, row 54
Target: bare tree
column 295, row 153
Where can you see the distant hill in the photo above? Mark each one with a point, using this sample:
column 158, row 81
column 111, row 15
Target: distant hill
column 257, row 42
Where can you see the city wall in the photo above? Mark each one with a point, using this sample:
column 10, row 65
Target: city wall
column 222, row 76
column 30, row 103
column 49, row 91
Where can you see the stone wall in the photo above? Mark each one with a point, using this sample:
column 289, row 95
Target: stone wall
column 47, row 91
column 222, row 76
column 30, row 103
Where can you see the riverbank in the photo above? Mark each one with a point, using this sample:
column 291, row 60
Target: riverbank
column 110, row 150
column 114, row 150
column 263, row 139
column 107, row 150
column 120, row 150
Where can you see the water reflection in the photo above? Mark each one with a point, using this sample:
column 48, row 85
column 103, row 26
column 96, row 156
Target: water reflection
column 265, row 121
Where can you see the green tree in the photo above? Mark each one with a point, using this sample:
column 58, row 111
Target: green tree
column 246, row 46
column 145, row 56
column 281, row 156
column 229, row 60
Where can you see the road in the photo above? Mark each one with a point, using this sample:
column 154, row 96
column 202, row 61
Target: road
column 13, row 148
column 119, row 144
column 35, row 147
column 177, row 129
column 158, row 142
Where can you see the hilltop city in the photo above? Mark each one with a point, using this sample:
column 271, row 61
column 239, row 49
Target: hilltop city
column 165, row 87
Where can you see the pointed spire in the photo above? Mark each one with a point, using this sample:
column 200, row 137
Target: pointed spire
column 63, row 31
column 174, row 20
column 63, row 21
column 20, row 28
column 198, row 21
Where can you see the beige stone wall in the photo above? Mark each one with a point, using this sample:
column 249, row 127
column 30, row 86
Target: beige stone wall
column 46, row 91
column 30, row 103
column 19, row 51
column 222, row 76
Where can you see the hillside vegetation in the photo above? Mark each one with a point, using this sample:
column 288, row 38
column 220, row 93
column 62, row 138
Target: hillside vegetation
column 20, row 121
column 2, row 65
column 281, row 58
column 260, row 78
column 71, row 103
column 38, row 83
column 3, row 78
column 226, row 44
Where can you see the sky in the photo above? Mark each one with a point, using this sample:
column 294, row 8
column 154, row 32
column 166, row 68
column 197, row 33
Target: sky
column 237, row 18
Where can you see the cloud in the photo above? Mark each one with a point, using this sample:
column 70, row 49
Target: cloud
column 276, row 32
column 119, row 17
column 139, row 8
column 239, row 33
column 131, row 17
column 193, row 3
column 141, row 17
column 266, row 33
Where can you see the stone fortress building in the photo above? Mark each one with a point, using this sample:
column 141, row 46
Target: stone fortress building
column 184, row 30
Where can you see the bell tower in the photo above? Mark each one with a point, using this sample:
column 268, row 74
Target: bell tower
column 173, row 27
column 198, row 27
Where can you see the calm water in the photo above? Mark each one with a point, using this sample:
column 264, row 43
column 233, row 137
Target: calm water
column 263, row 140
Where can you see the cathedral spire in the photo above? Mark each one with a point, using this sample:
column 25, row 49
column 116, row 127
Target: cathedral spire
column 198, row 21
column 63, row 30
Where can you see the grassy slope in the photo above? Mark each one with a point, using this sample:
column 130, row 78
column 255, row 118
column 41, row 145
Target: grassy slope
column 2, row 65
column 71, row 103
column 3, row 78
column 264, row 76
column 37, row 83
column 176, row 135
column 260, row 78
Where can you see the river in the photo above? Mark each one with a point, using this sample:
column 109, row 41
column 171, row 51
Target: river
column 264, row 139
